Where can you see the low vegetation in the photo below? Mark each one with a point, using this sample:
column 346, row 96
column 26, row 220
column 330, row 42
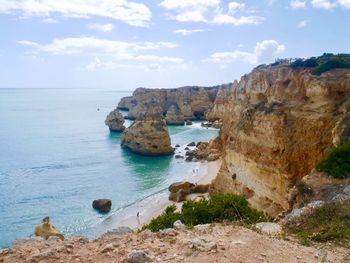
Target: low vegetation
column 221, row 207
column 338, row 162
column 319, row 65
column 329, row 223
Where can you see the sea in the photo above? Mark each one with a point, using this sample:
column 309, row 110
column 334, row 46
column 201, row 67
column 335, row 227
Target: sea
column 57, row 156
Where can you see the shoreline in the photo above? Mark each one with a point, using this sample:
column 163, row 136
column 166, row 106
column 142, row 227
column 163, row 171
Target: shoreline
column 154, row 205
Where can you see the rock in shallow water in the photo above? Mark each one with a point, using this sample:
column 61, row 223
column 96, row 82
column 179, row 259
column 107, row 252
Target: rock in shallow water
column 102, row 205
column 149, row 134
column 115, row 121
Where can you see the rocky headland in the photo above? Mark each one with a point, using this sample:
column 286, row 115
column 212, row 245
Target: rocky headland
column 179, row 104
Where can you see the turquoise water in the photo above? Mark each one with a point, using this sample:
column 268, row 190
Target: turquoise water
column 57, row 156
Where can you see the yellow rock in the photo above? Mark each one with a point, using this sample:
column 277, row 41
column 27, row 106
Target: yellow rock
column 46, row 229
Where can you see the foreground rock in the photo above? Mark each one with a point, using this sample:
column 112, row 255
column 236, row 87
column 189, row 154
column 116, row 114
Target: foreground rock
column 149, row 134
column 46, row 229
column 102, row 205
column 180, row 190
column 272, row 229
column 211, row 151
column 233, row 244
column 115, row 121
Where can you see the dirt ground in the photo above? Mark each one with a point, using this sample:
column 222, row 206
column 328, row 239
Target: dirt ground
column 225, row 244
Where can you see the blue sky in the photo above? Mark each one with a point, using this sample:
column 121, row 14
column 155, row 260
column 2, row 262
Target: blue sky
column 121, row 44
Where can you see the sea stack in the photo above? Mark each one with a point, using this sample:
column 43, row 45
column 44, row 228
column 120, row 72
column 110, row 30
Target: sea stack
column 115, row 121
column 174, row 116
column 149, row 134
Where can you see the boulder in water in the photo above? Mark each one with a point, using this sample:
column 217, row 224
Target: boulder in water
column 102, row 205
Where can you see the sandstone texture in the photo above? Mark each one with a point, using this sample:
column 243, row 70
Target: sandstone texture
column 174, row 116
column 205, row 243
column 125, row 103
column 115, row 121
column 149, row 134
column 278, row 124
column 46, row 229
column 189, row 102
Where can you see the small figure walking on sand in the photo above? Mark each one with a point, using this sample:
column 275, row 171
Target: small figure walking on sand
column 193, row 170
column 138, row 218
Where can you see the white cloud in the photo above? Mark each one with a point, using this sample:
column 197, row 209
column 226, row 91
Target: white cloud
column 344, row 3
column 235, row 6
column 101, row 27
column 119, row 53
column 324, row 4
column 302, row 23
column 92, row 45
column 243, row 20
column 187, row 32
column 297, row 4
column 132, row 13
column 49, row 20
column 264, row 52
column 210, row 12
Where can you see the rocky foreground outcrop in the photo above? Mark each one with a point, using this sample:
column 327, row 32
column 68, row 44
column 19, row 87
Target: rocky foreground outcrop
column 204, row 243
column 149, row 134
column 185, row 103
column 278, row 124
column 115, row 121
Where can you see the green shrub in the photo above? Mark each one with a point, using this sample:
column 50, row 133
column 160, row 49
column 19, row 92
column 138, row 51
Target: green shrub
column 338, row 162
column 220, row 207
column 329, row 223
column 333, row 63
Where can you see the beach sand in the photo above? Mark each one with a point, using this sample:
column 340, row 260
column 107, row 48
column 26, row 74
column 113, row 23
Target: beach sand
column 155, row 205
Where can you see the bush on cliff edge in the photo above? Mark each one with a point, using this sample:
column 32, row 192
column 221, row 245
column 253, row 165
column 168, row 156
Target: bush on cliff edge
column 221, row 207
column 338, row 162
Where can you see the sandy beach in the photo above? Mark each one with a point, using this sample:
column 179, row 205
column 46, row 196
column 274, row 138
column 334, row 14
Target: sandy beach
column 156, row 204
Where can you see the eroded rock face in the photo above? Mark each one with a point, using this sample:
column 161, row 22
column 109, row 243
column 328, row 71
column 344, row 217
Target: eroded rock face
column 221, row 102
column 115, row 121
column 46, row 229
column 192, row 102
column 125, row 103
column 174, row 116
column 279, row 123
column 149, row 134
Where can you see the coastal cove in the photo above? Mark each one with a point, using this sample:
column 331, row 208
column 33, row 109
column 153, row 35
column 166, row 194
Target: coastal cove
column 58, row 156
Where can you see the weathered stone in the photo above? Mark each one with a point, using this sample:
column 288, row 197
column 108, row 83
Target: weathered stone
column 175, row 187
column 188, row 122
column 200, row 188
column 268, row 228
column 347, row 190
column 138, row 256
column 149, row 134
column 178, row 225
column 174, row 116
column 102, row 205
column 125, row 103
column 46, row 229
column 191, row 144
column 115, row 121
column 179, row 156
column 279, row 123
column 203, row 244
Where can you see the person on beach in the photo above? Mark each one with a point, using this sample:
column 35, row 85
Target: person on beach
column 138, row 218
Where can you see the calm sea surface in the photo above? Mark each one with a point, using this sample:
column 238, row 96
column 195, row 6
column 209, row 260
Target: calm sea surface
column 57, row 156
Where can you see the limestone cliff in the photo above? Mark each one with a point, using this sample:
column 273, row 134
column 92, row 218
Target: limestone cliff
column 278, row 124
column 221, row 101
column 192, row 102
column 149, row 134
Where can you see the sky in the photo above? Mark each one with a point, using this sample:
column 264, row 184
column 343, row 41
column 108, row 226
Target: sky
column 122, row 45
